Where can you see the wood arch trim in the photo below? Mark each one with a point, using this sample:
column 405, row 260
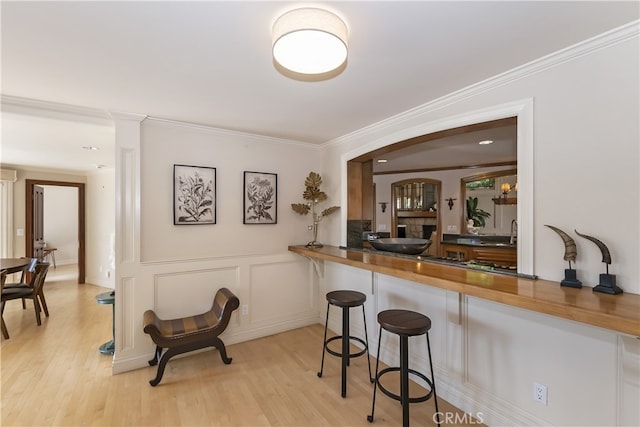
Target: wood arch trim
column 29, row 184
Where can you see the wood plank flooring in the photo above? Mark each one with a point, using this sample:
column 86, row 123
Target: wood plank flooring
column 53, row 375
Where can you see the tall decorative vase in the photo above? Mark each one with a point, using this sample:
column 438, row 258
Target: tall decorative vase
column 314, row 243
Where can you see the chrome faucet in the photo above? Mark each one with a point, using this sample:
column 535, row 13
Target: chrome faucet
column 514, row 232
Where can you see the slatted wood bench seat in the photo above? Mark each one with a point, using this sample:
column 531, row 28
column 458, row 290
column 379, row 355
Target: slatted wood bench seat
column 190, row 333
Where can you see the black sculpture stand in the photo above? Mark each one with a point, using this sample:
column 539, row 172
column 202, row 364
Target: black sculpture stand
column 608, row 285
column 570, row 279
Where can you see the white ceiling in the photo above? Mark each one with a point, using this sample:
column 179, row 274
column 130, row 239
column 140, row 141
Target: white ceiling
column 210, row 63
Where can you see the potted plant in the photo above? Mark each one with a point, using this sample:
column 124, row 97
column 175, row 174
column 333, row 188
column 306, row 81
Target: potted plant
column 475, row 214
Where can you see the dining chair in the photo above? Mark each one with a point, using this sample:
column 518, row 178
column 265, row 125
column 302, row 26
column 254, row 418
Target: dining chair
column 32, row 292
column 5, row 332
column 25, row 282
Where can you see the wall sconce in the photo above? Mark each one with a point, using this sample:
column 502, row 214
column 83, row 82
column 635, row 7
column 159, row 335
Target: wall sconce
column 450, row 202
column 383, row 206
column 505, row 188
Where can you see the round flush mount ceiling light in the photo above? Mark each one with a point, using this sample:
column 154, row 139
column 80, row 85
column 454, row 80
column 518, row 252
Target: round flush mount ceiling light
column 310, row 41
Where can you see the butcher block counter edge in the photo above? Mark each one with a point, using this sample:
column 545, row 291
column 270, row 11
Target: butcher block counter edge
column 619, row 313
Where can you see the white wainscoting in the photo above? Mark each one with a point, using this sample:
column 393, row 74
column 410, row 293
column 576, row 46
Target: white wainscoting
column 280, row 292
column 488, row 355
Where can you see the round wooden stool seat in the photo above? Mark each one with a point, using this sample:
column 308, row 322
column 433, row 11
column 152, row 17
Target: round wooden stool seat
column 346, row 298
column 404, row 322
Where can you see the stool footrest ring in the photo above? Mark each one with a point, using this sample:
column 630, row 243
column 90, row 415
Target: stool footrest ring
column 339, row 337
column 396, row 396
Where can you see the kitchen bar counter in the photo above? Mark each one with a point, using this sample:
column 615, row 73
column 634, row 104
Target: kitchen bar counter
column 620, row 313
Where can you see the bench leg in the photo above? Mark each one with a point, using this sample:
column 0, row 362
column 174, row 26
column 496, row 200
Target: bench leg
column 163, row 362
column 156, row 356
column 217, row 343
column 162, row 359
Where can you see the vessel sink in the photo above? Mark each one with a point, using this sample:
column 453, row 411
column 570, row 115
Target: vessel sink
column 403, row 245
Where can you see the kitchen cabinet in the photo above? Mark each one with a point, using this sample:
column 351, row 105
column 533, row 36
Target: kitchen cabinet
column 459, row 252
column 502, row 256
column 507, row 257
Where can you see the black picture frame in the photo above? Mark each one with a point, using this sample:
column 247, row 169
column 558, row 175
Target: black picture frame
column 194, row 195
column 260, row 198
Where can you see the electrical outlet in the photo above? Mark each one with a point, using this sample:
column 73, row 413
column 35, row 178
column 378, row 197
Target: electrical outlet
column 245, row 309
column 540, row 393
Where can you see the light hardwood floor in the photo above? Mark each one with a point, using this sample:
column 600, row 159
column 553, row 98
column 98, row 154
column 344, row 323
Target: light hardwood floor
column 54, row 375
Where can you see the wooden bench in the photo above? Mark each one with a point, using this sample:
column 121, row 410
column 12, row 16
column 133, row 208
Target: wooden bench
column 190, row 333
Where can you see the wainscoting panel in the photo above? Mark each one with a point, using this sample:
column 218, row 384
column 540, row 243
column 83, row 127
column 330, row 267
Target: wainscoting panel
column 280, row 291
column 628, row 380
column 185, row 293
column 507, row 350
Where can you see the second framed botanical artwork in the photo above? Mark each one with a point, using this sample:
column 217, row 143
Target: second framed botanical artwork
column 194, row 195
column 260, row 198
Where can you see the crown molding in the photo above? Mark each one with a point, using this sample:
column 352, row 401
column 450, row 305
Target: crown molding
column 227, row 132
column 578, row 50
column 35, row 107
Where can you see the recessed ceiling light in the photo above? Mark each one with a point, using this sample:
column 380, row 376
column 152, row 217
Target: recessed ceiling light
column 100, row 166
column 90, row 147
column 486, row 142
column 382, row 160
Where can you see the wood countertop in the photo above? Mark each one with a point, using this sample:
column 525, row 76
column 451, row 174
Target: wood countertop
column 620, row 313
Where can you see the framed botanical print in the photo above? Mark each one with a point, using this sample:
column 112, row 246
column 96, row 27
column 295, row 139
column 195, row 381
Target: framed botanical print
column 260, row 198
column 194, row 195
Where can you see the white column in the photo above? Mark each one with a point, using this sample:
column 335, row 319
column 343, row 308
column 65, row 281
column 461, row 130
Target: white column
column 7, row 178
column 127, row 250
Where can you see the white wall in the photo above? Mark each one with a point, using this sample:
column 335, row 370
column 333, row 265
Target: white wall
column 165, row 144
column 19, row 244
column 585, row 177
column 176, row 269
column 61, row 222
column 100, row 228
column 99, row 218
column 585, row 151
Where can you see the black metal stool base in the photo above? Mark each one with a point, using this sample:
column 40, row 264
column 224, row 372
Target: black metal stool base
column 345, row 300
column 339, row 354
column 397, row 396
column 404, row 323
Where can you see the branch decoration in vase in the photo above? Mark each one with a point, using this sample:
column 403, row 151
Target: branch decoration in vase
column 314, row 196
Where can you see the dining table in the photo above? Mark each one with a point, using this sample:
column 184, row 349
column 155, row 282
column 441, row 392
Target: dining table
column 13, row 265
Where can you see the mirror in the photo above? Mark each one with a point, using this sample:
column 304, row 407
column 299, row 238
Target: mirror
column 496, row 194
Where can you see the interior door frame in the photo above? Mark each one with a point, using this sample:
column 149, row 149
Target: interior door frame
column 29, row 184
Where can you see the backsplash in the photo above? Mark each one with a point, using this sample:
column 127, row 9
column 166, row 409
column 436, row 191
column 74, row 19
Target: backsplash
column 355, row 228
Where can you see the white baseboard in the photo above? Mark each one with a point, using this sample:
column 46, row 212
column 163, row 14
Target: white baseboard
column 142, row 361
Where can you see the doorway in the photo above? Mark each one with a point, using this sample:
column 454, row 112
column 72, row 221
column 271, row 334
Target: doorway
column 30, row 185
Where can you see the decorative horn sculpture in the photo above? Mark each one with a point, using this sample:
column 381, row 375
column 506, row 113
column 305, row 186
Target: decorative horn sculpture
column 570, row 253
column 607, row 282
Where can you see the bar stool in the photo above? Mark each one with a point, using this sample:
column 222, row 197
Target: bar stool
column 404, row 323
column 345, row 300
